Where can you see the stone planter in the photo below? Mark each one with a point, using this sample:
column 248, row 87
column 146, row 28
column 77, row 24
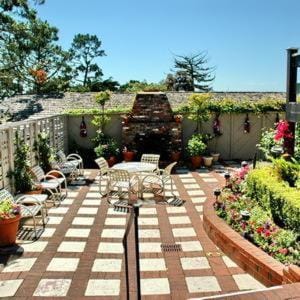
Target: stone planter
column 207, row 160
column 215, row 156
column 8, row 231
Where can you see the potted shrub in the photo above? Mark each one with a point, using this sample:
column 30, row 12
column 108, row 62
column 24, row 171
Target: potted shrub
column 109, row 151
column 9, row 222
column 196, row 148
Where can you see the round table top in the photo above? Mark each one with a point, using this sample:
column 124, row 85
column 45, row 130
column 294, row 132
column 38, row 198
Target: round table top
column 135, row 167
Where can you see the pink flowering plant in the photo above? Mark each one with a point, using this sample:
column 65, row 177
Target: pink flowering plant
column 246, row 217
column 8, row 209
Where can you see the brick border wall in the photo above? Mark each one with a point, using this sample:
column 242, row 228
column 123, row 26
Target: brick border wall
column 250, row 258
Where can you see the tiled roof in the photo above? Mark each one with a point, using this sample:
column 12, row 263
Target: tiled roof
column 23, row 106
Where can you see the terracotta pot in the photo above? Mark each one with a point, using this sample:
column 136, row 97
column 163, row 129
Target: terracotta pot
column 177, row 119
column 55, row 174
column 128, row 155
column 34, row 192
column 8, row 231
column 175, row 156
column 196, row 161
column 111, row 161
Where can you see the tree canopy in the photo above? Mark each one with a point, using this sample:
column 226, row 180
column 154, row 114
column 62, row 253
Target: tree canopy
column 191, row 73
column 85, row 49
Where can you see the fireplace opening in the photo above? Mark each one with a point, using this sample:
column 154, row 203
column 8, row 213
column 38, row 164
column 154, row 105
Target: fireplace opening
column 153, row 142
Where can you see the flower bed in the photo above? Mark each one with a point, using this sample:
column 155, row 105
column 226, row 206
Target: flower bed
column 255, row 223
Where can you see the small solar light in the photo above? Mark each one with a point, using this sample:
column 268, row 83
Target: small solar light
column 227, row 178
column 217, row 193
column 244, row 164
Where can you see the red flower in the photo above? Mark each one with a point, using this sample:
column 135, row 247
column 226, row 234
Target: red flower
column 282, row 131
column 259, row 229
column 267, row 233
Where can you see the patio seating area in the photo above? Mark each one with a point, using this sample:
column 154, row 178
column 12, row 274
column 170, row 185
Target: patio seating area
column 80, row 252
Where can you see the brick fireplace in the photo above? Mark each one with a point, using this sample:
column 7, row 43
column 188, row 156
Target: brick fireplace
column 150, row 127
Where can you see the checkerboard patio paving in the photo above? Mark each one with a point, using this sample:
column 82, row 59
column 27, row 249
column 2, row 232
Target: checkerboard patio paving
column 80, row 253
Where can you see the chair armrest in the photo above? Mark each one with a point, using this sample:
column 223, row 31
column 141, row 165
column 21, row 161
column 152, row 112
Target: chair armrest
column 55, row 172
column 28, row 199
column 48, row 176
column 74, row 156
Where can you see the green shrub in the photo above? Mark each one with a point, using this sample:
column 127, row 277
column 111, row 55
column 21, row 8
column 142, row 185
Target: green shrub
column 276, row 196
column 196, row 146
column 287, row 170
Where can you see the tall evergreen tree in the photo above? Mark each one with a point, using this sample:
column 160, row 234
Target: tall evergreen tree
column 195, row 71
column 85, row 49
column 30, row 59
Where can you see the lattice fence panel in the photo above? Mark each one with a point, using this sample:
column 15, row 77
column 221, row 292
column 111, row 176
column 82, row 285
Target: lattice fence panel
column 28, row 131
column 4, row 159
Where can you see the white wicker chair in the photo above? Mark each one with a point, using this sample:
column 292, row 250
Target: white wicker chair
column 51, row 183
column 31, row 207
column 120, row 184
column 103, row 175
column 152, row 159
column 73, row 158
column 156, row 183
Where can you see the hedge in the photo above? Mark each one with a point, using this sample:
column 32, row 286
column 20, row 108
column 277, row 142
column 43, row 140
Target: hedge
column 275, row 196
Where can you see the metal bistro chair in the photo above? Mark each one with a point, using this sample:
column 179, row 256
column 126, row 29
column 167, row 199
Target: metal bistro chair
column 30, row 207
column 69, row 169
column 121, row 183
column 152, row 159
column 157, row 183
column 73, row 158
column 51, row 183
column 103, row 174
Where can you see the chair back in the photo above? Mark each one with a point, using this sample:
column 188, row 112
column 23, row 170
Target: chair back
column 169, row 168
column 103, row 165
column 61, row 156
column 151, row 158
column 5, row 195
column 38, row 173
column 116, row 175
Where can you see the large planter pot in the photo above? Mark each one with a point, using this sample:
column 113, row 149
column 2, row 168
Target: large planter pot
column 207, row 160
column 128, row 155
column 175, row 156
column 215, row 156
column 196, row 161
column 111, row 161
column 8, row 231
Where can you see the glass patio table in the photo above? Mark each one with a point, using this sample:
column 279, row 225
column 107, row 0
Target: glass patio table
column 135, row 167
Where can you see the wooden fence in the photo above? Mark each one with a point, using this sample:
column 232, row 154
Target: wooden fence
column 55, row 126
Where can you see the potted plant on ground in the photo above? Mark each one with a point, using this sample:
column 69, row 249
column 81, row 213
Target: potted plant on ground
column 9, row 222
column 109, row 151
column 196, row 148
column 128, row 153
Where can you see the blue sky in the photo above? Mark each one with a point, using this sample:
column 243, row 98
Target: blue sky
column 245, row 39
